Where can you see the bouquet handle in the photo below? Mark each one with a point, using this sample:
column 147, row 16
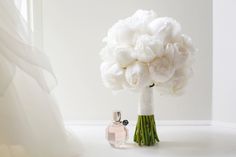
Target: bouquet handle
column 145, row 132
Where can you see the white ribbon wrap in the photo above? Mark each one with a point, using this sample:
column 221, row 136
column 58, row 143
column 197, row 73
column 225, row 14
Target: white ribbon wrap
column 146, row 102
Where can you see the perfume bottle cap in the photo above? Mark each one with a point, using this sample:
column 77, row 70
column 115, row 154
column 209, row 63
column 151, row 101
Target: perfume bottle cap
column 125, row 122
column 117, row 116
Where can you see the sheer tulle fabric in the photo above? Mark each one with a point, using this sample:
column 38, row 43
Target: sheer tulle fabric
column 30, row 122
column 16, row 49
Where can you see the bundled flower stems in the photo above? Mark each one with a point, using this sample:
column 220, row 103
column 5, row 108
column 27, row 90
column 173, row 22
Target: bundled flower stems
column 144, row 52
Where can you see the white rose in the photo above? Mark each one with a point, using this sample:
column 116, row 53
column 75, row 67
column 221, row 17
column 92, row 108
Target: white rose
column 112, row 75
column 165, row 28
column 123, row 56
column 162, row 68
column 137, row 75
column 120, row 33
column 147, row 48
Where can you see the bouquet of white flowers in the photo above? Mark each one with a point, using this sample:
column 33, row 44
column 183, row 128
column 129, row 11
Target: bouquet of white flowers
column 141, row 52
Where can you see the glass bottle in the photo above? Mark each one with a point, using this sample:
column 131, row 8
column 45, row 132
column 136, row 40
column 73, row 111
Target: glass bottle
column 116, row 132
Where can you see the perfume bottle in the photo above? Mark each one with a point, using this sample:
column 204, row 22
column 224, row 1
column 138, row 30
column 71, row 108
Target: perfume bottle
column 116, row 132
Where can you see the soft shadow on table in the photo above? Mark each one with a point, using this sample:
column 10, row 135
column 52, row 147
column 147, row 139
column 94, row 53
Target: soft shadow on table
column 182, row 148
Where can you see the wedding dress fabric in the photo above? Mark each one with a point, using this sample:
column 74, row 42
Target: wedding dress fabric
column 30, row 122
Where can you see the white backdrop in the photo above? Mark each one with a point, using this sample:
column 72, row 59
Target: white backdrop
column 224, row 86
column 72, row 34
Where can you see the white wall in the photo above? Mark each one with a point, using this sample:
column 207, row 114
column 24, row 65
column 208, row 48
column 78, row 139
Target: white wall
column 224, row 72
column 73, row 30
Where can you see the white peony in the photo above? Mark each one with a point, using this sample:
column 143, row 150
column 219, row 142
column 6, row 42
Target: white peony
column 162, row 68
column 175, row 86
column 184, row 55
column 123, row 56
column 120, row 33
column 143, row 49
column 140, row 19
column 112, row 76
column 147, row 48
column 137, row 75
column 179, row 56
column 186, row 43
column 165, row 28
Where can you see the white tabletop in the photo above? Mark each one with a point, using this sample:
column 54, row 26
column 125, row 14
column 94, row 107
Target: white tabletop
column 175, row 141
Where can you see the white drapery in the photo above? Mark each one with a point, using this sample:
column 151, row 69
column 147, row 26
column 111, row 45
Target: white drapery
column 30, row 122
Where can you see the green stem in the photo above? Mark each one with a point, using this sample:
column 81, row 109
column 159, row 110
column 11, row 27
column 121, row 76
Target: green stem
column 152, row 133
column 142, row 131
column 145, row 131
